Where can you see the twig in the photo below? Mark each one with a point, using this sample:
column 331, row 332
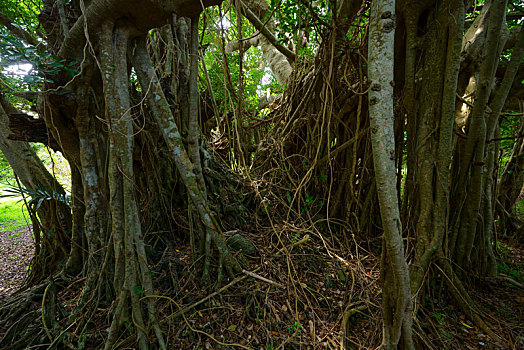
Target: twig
column 254, row 275
column 43, row 314
column 302, row 241
column 505, row 138
column 197, row 330
column 507, row 280
column 192, row 306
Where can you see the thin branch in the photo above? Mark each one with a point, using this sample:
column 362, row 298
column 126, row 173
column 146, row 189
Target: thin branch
column 506, row 138
column 16, row 31
column 314, row 14
column 257, row 276
column 257, row 23
column 63, row 17
column 509, row 76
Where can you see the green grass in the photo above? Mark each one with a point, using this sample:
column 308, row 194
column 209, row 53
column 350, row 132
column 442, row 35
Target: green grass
column 12, row 213
column 3, row 185
column 507, row 266
column 520, row 209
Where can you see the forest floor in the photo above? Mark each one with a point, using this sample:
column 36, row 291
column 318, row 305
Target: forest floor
column 306, row 293
column 297, row 299
column 16, row 251
column 16, row 242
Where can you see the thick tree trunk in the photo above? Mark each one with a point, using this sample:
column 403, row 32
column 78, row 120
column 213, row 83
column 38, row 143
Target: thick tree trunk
column 54, row 217
column 396, row 303
column 432, row 123
column 472, row 225
column 132, row 276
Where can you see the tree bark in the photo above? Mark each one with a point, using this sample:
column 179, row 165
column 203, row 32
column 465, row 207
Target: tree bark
column 473, row 156
column 396, row 304
column 54, row 216
column 166, row 122
column 132, row 275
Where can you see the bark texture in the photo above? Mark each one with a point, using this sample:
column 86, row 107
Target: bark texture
column 396, row 303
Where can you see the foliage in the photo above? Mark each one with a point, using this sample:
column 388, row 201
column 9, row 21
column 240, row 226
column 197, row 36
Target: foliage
column 509, row 126
column 256, row 79
column 36, row 196
column 55, row 163
column 295, row 327
column 14, row 51
column 520, row 208
column 295, row 19
column 23, row 13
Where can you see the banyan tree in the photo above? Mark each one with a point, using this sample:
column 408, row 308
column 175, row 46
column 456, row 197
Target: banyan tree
column 387, row 132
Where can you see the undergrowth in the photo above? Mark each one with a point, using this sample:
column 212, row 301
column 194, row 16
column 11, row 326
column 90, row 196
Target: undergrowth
column 508, row 264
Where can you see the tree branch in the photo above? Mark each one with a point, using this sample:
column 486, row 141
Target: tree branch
column 18, row 32
column 257, row 23
column 24, row 128
column 502, row 92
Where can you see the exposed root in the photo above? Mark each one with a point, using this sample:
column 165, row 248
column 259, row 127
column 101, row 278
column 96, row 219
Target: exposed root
column 22, row 317
column 461, row 296
column 350, row 311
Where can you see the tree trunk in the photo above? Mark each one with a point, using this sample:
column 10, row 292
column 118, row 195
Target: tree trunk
column 396, row 303
column 165, row 120
column 510, row 186
column 431, row 120
column 54, row 216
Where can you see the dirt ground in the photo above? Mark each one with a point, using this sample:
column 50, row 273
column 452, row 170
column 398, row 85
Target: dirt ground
column 16, row 250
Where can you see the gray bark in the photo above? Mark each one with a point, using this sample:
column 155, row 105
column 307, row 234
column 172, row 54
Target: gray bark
column 131, row 270
column 396, row 305
column 474, row 153
column 166, row 122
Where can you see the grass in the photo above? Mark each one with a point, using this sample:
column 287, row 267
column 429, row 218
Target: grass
column 520, row 208
column 13, row 215
column 3, row 185
column 507, row 266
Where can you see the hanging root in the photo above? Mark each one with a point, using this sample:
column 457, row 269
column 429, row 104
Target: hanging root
column 132, row 276
column 166, row 122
